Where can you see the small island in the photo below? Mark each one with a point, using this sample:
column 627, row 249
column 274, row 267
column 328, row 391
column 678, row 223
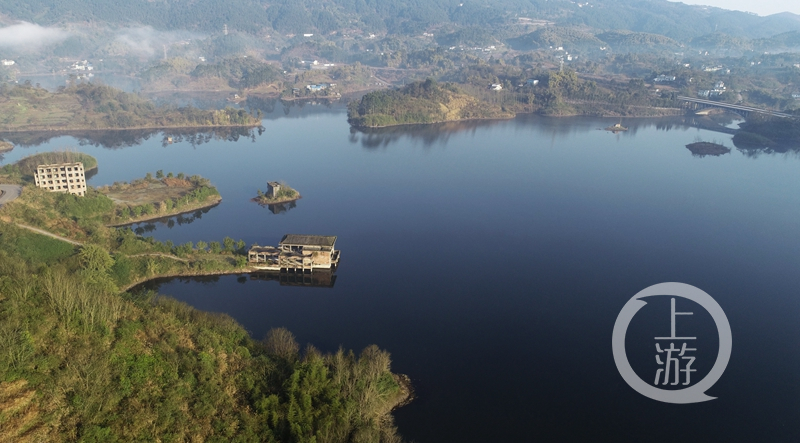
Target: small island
column 617, row 128
column 5, row 146
column 701, row 149
column 277, row 193
column 421, row 103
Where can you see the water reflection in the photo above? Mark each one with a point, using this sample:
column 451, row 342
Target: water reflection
column 273, row 108
column 317, row 279
column 437, row 133
column 555, row 127
column 559, row 127
column 123, row 138
column 280, row 208
column 170, row 222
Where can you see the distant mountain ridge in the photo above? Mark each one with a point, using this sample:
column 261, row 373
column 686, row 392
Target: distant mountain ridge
column 676, row 21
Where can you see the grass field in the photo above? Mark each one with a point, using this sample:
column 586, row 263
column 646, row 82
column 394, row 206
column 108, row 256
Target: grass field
column 32, row 247
column 148, row 191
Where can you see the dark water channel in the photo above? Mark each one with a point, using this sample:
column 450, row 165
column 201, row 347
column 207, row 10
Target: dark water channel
column 492, row 259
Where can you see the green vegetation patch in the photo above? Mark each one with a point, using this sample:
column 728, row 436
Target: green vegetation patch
column 82, row 363
column 32, row 247
column 159, row 196
column 91, row 106
column 239, row 72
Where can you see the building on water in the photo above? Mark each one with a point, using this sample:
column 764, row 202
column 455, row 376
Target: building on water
column 297, row 253
column 61, row 177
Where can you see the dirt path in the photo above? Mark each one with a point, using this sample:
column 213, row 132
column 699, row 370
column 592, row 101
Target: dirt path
column 49, row 234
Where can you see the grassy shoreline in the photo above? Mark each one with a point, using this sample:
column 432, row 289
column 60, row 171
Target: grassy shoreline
column 213, row 201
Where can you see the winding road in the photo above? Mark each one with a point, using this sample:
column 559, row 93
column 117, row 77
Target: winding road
column 8, row 193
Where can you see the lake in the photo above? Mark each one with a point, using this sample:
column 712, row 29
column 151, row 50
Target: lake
column 492, row 258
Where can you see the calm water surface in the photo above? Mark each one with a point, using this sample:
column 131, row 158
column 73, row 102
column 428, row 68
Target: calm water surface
column 491, row 260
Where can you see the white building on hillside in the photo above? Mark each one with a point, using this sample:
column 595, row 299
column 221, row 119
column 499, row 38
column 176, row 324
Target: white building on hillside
column 62, row 177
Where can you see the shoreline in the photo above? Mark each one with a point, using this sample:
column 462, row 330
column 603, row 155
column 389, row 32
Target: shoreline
column 247, row 270
column 216, row 201
column 132, row 128
column 437, row 122
column 360, row 127
column 279, row 202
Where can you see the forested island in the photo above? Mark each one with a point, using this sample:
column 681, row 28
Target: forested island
column 420, row 103
column 92, row 106
column 702, row 148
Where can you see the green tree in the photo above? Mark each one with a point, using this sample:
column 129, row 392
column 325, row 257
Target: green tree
column 95, row 258
column 215, row 247
column 229, row 244
column 159, row 174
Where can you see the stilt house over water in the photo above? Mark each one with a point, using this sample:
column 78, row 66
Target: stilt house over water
column 297, row 253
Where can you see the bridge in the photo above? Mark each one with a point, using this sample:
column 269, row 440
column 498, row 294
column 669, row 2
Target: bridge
column 744, row 111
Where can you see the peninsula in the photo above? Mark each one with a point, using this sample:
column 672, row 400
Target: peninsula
column 88, row 106
column 422, row 102
column 152, row 198
column 164, row 367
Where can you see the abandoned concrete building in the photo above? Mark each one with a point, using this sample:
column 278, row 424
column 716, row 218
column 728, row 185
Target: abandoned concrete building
column 297, row 253
column 62, row 177
column 273, row 188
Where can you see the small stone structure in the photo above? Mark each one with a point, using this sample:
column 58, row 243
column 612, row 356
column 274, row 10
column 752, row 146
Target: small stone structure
column 273, row 188
column 62, row 177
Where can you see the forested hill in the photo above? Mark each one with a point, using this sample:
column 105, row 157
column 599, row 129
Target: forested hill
column 410, row 17
column 90, row 106
column 420, row 103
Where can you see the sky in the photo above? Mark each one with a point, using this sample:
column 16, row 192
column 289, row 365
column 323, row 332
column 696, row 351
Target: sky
column 762, row 7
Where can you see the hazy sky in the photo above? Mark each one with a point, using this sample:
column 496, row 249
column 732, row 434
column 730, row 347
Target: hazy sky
column 762, row 7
